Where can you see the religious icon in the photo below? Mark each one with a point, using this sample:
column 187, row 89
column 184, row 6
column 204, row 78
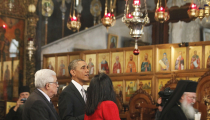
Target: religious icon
column 131, row 87
column 103, row 66
column 4, row 44
column 145, row 85
column 117, row 62
column 146, row 65
column 112, row 41
column 117, row 66
column 164, row 63
column 7, row 83
column 161, row 83
column 208, row 61
column 16, row 69
column 179, row 65
column 131, row 66
column 118, row 87
column 91, row 61
column 195, row 61
column 62, row 69
column 91, row 66
column 50, row 66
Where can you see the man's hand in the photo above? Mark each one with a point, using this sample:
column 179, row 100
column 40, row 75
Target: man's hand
column 18, row 103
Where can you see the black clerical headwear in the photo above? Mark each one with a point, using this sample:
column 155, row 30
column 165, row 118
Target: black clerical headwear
column 24, row 89
column 182, row 86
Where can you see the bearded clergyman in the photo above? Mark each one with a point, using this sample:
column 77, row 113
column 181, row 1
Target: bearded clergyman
column 180, row 104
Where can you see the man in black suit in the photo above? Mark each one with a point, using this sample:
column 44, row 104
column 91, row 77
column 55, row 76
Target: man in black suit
column 38, row 106
column 72, row 99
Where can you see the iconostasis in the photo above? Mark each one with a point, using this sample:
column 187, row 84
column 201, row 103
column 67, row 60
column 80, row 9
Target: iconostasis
column 150, row 70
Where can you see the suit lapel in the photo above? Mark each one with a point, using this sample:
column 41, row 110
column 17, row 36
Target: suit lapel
column 77, row 93
column 48, row 103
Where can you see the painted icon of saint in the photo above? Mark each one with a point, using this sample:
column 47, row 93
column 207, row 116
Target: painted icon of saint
column 146, row 65
column 195, row 61
column 131, row 67
column 62, row 69
column 104, row 66
column 117, row 66
column 50, row 66
column 164, row 64
column 179, row 65
column 208, row 61
column 91, row 66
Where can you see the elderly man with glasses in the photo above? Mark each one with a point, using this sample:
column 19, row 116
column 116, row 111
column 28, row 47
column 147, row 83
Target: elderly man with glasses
column 180, row 104
column 39, row 106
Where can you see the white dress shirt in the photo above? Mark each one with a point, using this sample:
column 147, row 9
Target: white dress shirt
column 78, row 86
column 48, row 98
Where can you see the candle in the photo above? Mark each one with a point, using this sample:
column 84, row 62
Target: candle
column 129, row 16
column 193, row 6
column 136, row 2
column 108, row 15
column 4, row 26
column 161, row 9
column 73, row 18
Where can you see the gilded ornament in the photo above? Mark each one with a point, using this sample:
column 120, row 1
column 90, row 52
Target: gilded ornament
column 95, row 8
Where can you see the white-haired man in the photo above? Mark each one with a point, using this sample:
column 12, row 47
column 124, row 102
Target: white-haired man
column 180, row 104
column 38, row 106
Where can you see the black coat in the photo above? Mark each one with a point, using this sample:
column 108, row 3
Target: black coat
column 14, row 115
column 71, row 104
column 175, row 113
column 37, row 107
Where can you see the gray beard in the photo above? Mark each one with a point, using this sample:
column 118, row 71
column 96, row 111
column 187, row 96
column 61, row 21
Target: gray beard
column 188, row 109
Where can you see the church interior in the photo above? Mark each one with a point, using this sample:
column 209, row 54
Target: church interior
column 144, row 46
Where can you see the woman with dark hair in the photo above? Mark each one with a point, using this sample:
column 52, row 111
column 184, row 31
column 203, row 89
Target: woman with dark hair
column 101, row 99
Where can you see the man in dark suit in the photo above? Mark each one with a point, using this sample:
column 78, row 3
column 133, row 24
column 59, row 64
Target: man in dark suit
column 38, row 106
column 72, row 99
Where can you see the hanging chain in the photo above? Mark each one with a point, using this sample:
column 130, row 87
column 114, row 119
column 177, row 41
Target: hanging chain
column 146, row 13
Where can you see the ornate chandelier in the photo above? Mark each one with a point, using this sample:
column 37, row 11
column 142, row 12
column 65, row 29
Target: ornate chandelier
column 74, row 20
column 109, row 18
column 161, row 14
column 135, row 21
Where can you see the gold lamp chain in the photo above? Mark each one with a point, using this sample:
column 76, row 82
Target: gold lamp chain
column 146, row 13
column 70, row 10
column 105, row 12
column 158, row 4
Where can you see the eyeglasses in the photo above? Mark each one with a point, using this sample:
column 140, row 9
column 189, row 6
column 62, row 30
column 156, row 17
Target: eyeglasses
column 54, row 82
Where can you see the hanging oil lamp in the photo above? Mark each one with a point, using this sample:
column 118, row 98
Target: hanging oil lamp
column 109, row 18
column 193, row 11
column 201, row 13
column 161, row 13
column 74, row 21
